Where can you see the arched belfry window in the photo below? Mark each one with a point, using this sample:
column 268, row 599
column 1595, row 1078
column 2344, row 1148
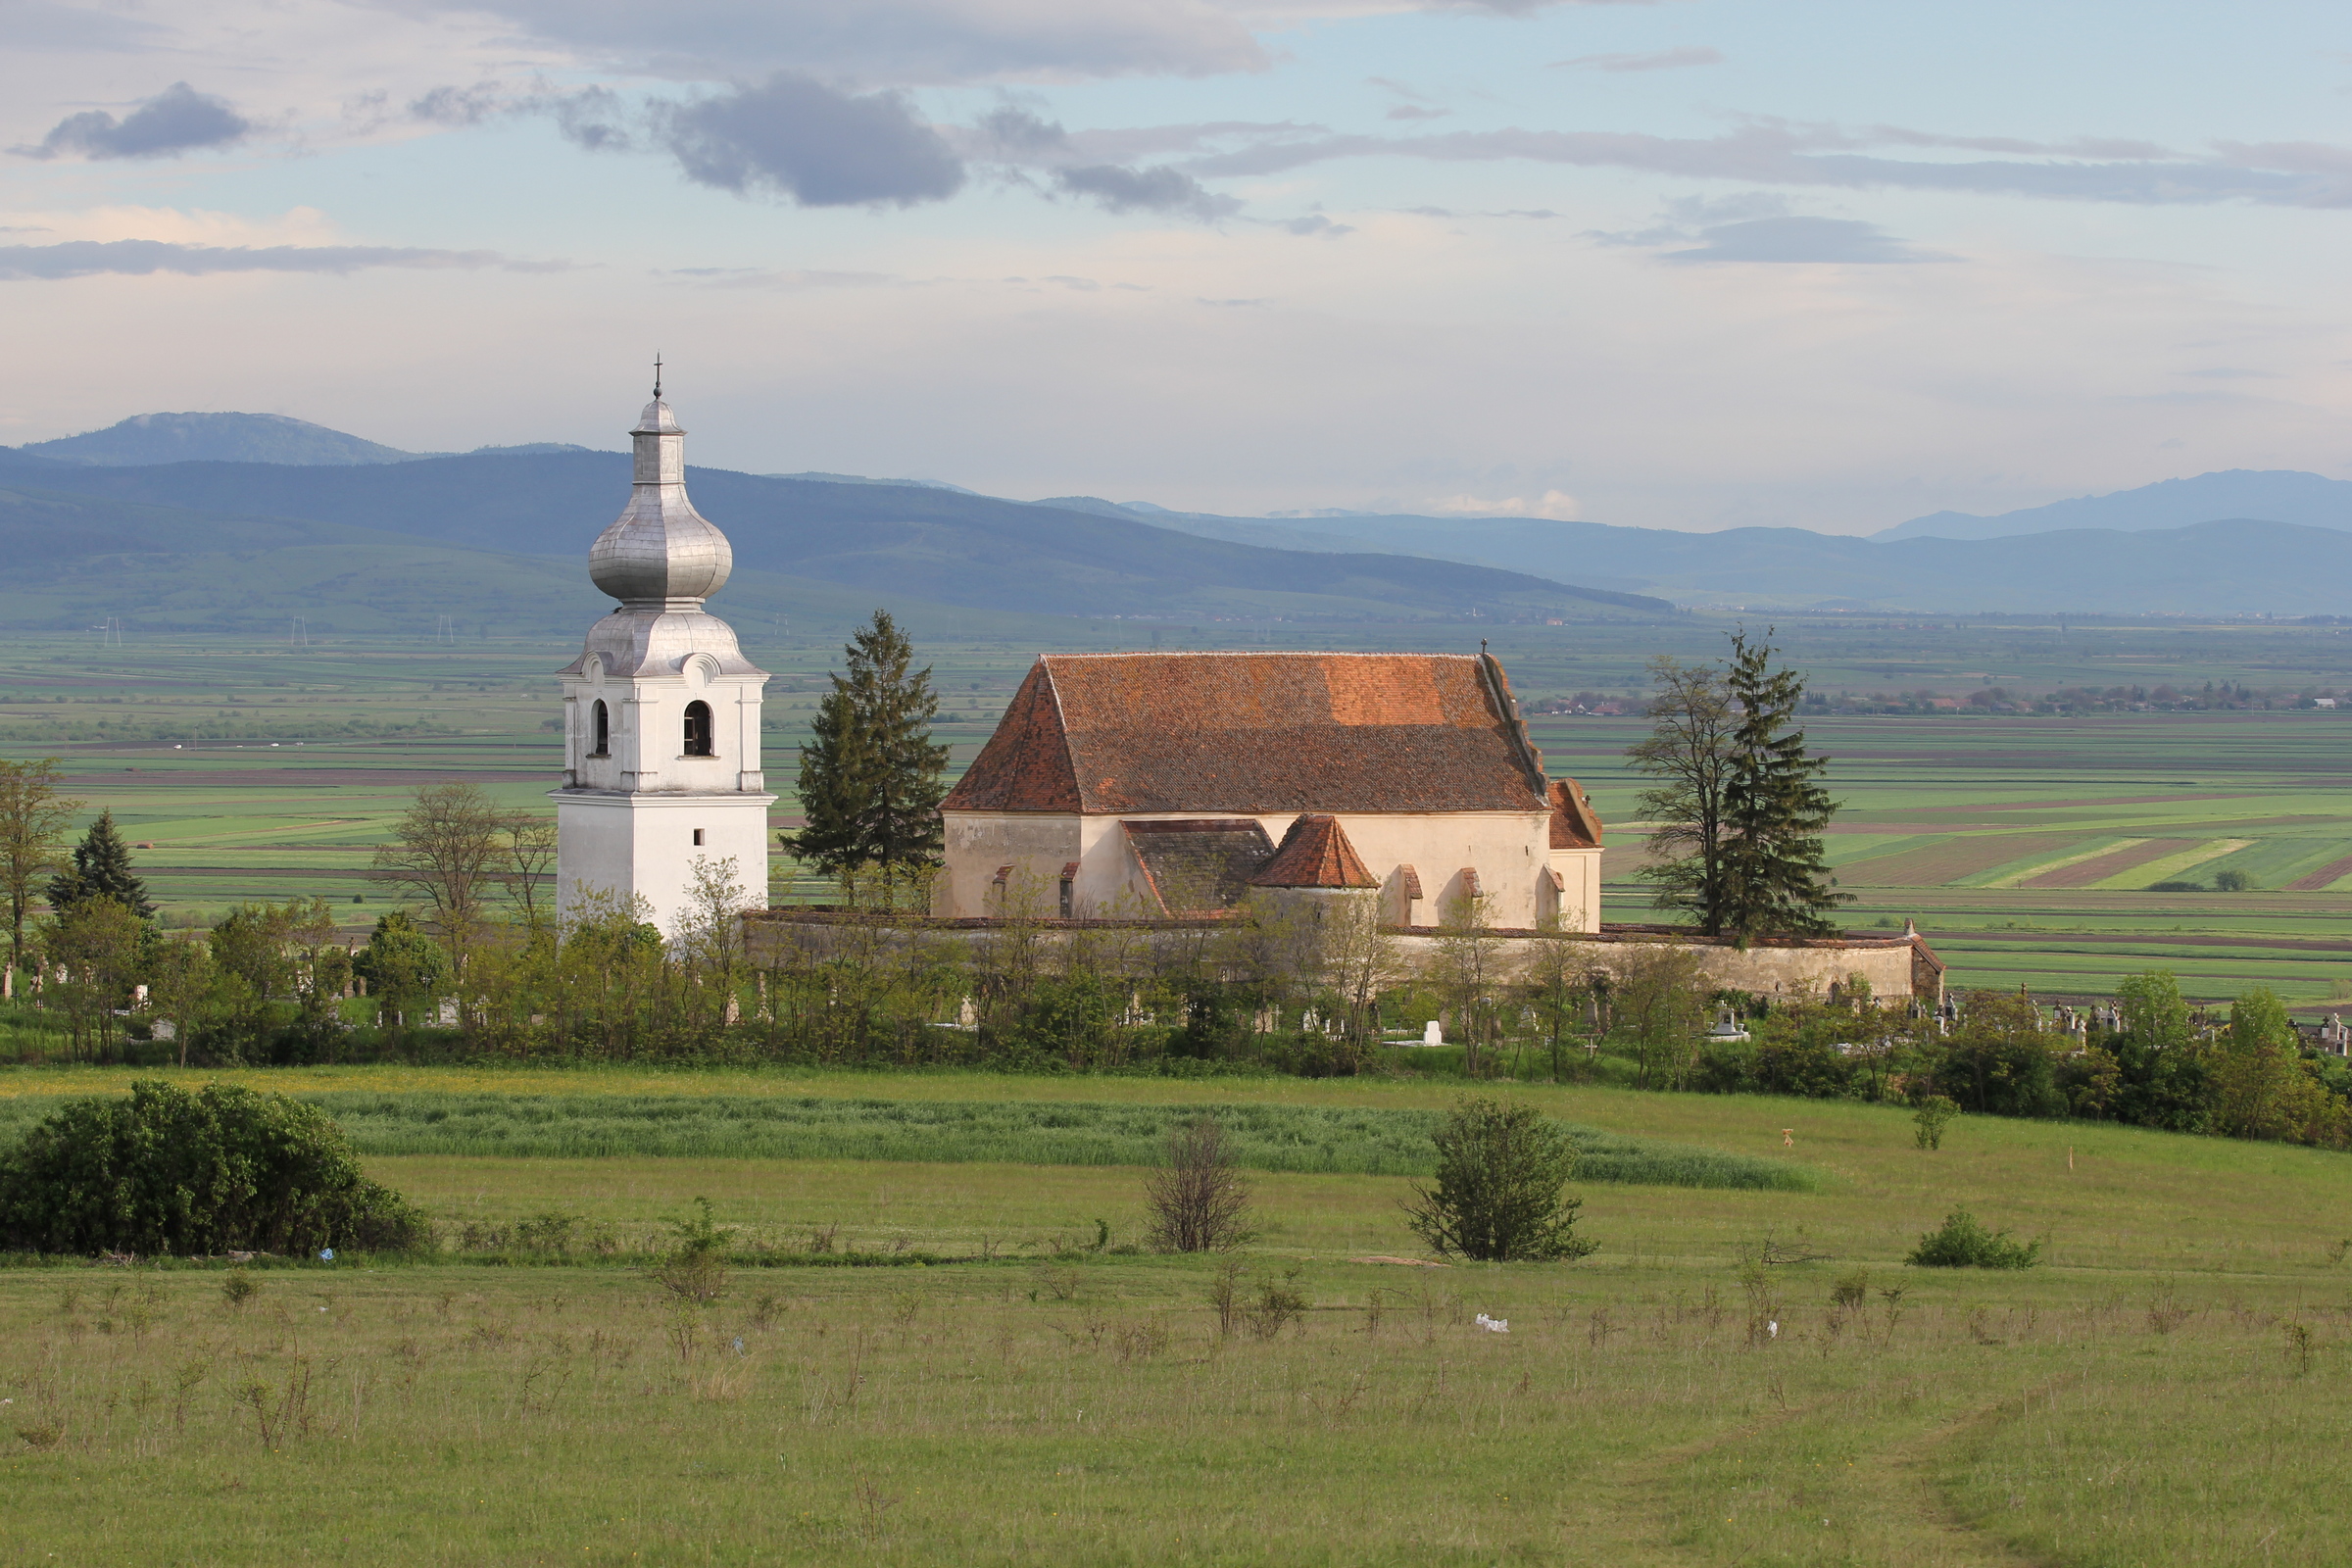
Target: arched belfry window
column 602, row 725
column 697, row 729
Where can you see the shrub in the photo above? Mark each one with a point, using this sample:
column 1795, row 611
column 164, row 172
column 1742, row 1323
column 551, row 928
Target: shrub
column 1501, row 1169
column 222, row 1169
column 694, row 1271
column 1962, row 1243
column 2232, row 881
column 1934, row 1115
column 1197, row 1203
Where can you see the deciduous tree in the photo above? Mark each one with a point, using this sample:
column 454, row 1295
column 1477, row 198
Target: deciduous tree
column 1689, row 752
column 448, row 848
column 34, row 812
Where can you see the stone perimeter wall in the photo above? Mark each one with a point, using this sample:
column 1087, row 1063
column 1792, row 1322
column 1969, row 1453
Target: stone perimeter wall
column 1899, row 967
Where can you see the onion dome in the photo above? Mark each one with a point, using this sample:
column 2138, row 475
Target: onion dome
column 660, row 549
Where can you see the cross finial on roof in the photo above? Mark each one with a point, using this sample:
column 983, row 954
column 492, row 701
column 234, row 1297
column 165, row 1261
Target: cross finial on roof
column 657, row 376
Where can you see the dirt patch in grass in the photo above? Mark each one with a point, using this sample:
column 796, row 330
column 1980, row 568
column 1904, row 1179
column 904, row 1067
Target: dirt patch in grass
column 2314, row 881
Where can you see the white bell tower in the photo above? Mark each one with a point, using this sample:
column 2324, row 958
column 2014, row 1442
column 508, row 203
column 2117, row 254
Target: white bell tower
column 661, row 709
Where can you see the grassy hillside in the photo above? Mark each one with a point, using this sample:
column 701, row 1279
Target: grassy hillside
column 935, row 545
column 2150, row 1394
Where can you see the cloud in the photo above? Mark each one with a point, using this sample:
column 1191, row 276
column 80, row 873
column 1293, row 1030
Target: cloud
column 1663, row 60
column 789, row 136
column 86, row 258
column 1156, row 190
column 897, row 42
column 1416, row 112
column 2292, row 175
column 1314, row 224
column 171, row 122
column 460, row 106
column 1801, row 239
column 1557, row 505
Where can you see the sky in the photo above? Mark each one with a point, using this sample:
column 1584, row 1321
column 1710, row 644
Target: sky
column 1691, row 263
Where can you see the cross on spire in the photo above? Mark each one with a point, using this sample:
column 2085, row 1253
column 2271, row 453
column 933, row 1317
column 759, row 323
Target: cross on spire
column 657, row 376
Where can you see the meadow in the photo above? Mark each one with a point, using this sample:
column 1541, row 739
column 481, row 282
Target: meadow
column 1027, row 1386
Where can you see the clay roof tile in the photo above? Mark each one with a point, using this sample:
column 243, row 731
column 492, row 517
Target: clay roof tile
column 1315, row 853
column 1257, row 733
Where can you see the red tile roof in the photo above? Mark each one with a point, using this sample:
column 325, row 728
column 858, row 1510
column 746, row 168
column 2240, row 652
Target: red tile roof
column 1315, row 853
column 1258, row 733
column 1575, row 825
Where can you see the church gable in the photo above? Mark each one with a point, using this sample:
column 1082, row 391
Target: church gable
column 1025, row 767
column 1258, row 734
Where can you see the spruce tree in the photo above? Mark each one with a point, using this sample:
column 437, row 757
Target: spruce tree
column 101, row 870
column 871, row 780
column 1775, row 881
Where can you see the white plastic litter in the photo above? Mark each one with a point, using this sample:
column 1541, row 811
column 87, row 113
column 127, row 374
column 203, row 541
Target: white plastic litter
column 1494, row 1325
column 1772, row 1330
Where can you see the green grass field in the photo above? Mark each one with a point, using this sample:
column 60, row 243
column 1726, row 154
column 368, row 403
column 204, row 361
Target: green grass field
column 2164, row 1389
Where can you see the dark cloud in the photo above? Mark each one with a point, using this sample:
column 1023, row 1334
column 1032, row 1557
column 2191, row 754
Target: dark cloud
column 173, row 122
column 1151, row 190
column 789, row 136
column 1801, row 239
column 1663, row 60
column 2292, row 175
column 460, row 106
column 87, row 258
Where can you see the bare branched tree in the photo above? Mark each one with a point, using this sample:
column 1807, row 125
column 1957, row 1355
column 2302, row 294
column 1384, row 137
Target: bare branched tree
column 1689, row 753
column 1198, row 1202
column 531, row 856
column 34, row 818
column 1467, row 968
column 448, row 850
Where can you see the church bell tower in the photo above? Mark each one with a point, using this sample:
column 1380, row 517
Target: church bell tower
column 661, row 709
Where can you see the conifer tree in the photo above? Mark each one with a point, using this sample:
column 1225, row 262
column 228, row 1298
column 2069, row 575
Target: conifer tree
column 1775, row 879
column 870, row 779
column 101, row 870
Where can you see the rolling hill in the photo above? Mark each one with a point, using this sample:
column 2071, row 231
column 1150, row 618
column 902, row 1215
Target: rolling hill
column 931, row 544
column 2275, row 495
column 2228, row 566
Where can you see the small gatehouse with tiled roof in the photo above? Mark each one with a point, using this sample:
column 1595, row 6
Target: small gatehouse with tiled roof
column 1170, row 785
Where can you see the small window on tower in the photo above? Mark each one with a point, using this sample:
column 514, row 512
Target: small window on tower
column 698, row 837
column 697, row 729
column 601, row 724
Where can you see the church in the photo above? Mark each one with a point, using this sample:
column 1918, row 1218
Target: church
column 661, row 711
column 1159, row 786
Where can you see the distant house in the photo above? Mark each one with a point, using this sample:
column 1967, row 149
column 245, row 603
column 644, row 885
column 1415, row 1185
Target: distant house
column 1166, row 785
column 2322, row 702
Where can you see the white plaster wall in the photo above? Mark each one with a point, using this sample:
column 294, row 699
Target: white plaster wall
column 1510, row 849
column 1037, row 845
column 1579, row 898
column 644, row 844
column 647, row 735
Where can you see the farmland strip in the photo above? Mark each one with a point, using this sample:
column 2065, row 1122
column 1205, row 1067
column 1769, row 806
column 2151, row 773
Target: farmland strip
column 2099, row 867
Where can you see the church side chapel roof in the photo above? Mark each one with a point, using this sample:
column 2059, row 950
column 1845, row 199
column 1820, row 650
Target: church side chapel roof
column 1575, row 825
column 1197, row 865
column 1258, row 733
column 1315, row 853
